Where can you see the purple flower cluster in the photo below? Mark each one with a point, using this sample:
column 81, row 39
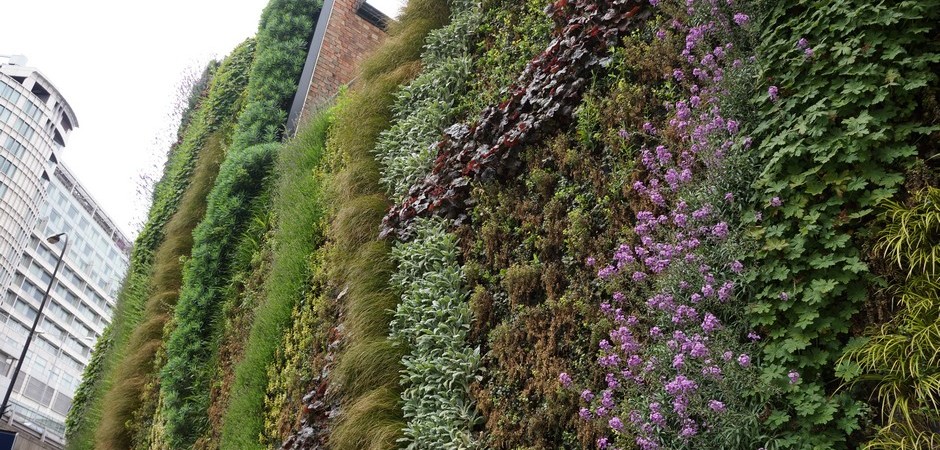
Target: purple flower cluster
column 663, row 369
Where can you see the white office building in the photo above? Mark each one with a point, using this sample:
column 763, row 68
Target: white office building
column 39, row 197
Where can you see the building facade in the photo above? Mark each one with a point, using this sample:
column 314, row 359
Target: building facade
column 40, row 197
column 347, row 30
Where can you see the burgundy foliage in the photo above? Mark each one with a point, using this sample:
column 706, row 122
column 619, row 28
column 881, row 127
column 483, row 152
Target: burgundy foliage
column 543, row 99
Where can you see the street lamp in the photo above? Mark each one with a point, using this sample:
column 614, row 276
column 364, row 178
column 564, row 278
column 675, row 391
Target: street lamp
column 32, row 331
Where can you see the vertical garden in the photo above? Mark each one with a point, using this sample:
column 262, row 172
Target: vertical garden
column 533, row 224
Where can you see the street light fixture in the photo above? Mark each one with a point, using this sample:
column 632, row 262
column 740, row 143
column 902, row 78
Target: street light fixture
column 45, row 298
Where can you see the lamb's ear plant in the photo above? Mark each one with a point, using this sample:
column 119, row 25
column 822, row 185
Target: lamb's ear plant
column 900, row 362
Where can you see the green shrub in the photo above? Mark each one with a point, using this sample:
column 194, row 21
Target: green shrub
column 432, row 322
column 429, row 103
column 284, row 35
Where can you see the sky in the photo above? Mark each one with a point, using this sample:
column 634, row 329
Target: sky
column 120, row 66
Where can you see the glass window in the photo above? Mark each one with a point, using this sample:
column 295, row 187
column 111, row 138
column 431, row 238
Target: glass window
column 13, row 146
column 7, row 167
column 4, row 114
column 7, row 92
column 24, row 129
column 32, row 110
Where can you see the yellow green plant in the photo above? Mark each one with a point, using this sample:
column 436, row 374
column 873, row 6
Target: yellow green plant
column 901, row 359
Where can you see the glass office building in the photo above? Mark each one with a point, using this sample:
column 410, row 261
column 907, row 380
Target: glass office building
column 40, row 197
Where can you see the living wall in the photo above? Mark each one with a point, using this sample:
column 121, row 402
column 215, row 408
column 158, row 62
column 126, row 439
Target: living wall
column 576, row 224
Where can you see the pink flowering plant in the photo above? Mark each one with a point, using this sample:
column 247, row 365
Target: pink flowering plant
column 679, row 360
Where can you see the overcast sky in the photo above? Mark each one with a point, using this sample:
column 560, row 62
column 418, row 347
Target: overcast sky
column 119, row 65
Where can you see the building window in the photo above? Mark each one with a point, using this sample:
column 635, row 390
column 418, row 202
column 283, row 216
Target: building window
column 24, row 129
column 32, row 110
column 4, row 114
column 7, row 167
column 13, row 146
column 7, row 92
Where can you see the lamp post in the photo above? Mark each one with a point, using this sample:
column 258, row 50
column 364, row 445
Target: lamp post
column 32, row 331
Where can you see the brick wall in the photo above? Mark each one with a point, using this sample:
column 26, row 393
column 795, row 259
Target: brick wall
column 347, row 40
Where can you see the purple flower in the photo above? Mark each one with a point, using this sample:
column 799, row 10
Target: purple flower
column 678, row 361
column 680, row 384
column 587, row 395
column 776, row 202
column 585, row 414
column 716, row 406
column 802, row 43
column 688, row 429
column 737, row 267
column 565, row 380
column 729, row 197
column 772, row 92
column 606, row 272
column 794, row 376
column 678, row 74
column 744, row 360
column 602, row 442
column 720, row 230
column 741, row 19
column 660, row 34
column 591, row 261
column 658, row 419
column 754, row 337
column 809, row 52
column 784, row 296
column 616, row 423
column 623, row 134
column 725, row 291
column 638, row 276
column 711, row 323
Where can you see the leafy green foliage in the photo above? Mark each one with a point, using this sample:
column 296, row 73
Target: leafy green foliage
column 902, row 358
column 429, row 103
column 283, row 37
column 194, row 341
column 432, row 322
column 88, row 390
column 833, row 145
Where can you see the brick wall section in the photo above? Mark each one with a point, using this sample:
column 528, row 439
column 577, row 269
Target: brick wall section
column 347, row 40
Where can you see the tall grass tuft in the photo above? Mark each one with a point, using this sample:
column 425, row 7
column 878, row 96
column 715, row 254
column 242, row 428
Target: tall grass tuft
column 368, row 366
column 136, row 368
column 298, row 210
